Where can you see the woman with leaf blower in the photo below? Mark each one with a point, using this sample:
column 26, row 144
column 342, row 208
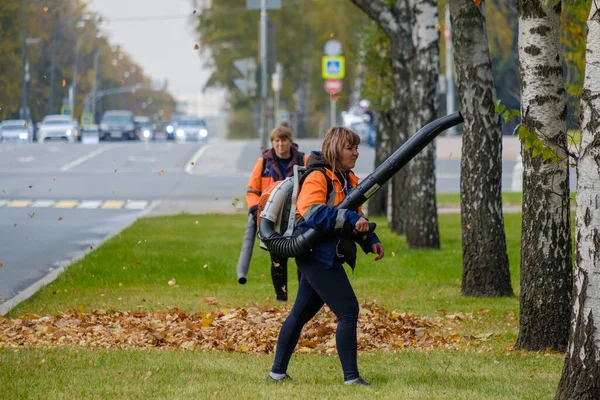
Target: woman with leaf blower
column 326, row 183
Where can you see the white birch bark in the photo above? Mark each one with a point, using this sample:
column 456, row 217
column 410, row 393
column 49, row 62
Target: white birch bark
column 422, row 222
column 581, row 373
column 545, row 236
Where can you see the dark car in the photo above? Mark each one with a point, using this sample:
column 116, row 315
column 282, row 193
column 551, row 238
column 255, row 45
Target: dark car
column 145, row 127
column 118, row 124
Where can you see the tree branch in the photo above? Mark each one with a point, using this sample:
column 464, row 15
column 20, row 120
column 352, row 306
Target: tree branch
column 380, row 13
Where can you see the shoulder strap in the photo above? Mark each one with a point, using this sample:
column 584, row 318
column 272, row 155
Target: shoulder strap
column 329, row 182
column 300, row 158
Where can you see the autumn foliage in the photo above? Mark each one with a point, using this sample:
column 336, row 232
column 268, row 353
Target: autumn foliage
column 247, row 330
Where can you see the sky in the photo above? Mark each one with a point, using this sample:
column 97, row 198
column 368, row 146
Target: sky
column 158, row 36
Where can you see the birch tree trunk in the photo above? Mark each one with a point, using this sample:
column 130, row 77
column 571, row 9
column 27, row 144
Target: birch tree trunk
column 422, row 221
column 581, row 373
column 546, row 276
column 383, row 149
column 485, row 261
column 395, row 22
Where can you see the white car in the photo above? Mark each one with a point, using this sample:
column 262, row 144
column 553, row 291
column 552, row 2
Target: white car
column 15, row 130
column 190, row 128
column 57, row 127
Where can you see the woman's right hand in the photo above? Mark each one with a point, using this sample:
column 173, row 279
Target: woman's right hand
column 362, row 225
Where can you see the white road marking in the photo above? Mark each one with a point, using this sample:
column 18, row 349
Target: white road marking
column 89, row 204
column 136, row 205
column 3, row 203
column 25, row 159
column 86, row 157
column 190, row 164
column 142, row 159
column 43, row 203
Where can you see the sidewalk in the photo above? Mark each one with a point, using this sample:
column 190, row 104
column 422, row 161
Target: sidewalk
column 449, row 148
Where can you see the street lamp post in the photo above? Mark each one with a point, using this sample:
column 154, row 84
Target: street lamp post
column 95, row 85
column 55, row 33
column 81, row 38
column 24, row 106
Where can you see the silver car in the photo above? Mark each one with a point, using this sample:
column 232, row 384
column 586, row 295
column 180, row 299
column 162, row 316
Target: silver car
column 189, row 128
column 15, row 130
column 57, row 127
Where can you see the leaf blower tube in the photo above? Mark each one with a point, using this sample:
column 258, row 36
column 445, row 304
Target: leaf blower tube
column 297, row 245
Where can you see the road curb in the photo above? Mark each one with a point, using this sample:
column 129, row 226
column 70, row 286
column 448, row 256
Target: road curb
column 29, row 291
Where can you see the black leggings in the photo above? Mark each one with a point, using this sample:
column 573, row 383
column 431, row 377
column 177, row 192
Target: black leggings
column 279, row 276
column 321, row 285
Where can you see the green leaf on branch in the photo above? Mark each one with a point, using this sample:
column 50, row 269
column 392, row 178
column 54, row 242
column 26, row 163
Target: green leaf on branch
column 499, row 107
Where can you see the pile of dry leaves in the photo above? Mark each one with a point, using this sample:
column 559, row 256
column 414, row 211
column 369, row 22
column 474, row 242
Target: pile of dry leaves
column 249, row 330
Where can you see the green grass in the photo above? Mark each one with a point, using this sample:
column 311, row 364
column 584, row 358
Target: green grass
column 131, row 271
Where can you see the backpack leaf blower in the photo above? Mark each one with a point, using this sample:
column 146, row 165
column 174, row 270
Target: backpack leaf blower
column 293, row 246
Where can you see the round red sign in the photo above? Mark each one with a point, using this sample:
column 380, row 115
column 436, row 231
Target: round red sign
column 333, row 85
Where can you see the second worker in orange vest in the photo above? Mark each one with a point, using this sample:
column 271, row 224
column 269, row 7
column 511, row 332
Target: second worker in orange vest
column 274, row 165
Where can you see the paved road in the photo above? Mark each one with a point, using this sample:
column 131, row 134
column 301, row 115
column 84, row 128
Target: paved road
column 58, row 199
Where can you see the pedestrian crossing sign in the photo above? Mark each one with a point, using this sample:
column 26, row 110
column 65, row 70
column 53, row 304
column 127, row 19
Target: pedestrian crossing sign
column 333, row 67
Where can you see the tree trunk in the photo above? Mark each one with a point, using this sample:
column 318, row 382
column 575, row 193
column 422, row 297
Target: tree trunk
column 581, row 372
column 485, row 261
column 377, row 206
column 546, row 266
column 396, row 24
column 422, row 221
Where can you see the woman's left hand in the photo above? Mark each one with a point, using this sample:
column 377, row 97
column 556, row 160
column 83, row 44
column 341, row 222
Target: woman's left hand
column 377, row 248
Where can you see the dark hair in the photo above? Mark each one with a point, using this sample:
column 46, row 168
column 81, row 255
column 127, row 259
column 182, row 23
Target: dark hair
column 335, row 140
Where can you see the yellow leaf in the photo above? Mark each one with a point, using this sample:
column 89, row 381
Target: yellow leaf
column 64, row 83
column 172, row 282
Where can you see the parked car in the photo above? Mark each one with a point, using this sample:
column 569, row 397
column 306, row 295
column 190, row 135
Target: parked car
column 191, row 128
column 118, row 124
column 15, row 130
column 145, row 127
column 57, row 127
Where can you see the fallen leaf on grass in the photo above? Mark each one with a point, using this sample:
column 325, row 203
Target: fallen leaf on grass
column 172, row 282
column 205, row 266
column 246, row 330
column 211, row 301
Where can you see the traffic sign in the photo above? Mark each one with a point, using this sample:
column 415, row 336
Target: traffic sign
column 332, row 48
column 333, row 86
column 65, row 110
column 333, row 67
